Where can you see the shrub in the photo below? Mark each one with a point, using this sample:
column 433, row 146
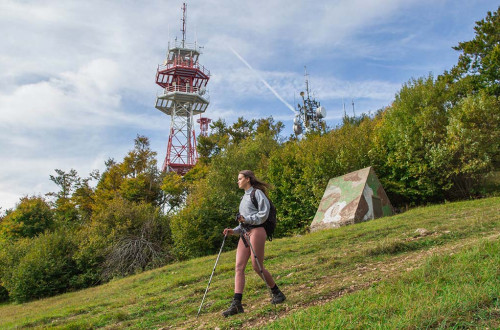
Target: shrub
column 4, row 294
column 139, row 251
column 11, row 252
column 122, row 237
column 46, row 269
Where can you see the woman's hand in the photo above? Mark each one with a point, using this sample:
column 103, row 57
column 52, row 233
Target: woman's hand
column 241, row 219
column 228, row 231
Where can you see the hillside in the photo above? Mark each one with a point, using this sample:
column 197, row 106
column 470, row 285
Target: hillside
column 434, row 266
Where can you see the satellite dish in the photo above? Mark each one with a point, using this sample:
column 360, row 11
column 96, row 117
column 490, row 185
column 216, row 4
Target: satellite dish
column 296, row 120
column 297, row 129
column 321, row 112
column 202, row 90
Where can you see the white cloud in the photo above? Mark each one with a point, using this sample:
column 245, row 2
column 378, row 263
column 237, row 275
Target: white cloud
column 75, row 99
column 90, row 97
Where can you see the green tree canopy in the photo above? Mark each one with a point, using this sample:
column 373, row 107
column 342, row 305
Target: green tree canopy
column 479, row 62
column 65, row 210
column 136, row 179
column 31, row 216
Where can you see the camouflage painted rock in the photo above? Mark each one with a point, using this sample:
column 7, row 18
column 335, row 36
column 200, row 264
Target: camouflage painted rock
column 354, row 197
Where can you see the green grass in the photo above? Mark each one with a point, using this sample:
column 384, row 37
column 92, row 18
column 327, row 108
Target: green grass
column 378, row 274
column 449, row 291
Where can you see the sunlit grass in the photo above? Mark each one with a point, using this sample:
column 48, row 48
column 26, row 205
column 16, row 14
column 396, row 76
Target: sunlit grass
column 353, row 274
column 448, row 291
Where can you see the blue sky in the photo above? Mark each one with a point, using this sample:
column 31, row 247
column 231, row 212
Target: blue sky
column 77, row 77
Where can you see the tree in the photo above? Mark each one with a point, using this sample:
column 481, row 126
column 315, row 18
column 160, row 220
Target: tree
column 471, row 148
column 141, row 181
column 211, row 145
column 174, row 190
column 479, row 63
column 222, row 136
column 412, row 128
column 109, row 183
column 126, row 198
column 136, row 179
column 65, row 210
column 66, row 182
column 84, row 196
column 268, row 126
column 139, row 160
column 31, row 217
column 241, row 130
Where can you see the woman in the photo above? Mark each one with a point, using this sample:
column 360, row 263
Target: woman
column 252, row 219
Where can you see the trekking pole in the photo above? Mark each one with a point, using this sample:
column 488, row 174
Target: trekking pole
column 213, row 271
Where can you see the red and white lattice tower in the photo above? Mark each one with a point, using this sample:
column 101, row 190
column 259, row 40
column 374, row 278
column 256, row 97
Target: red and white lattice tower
column 184, row 94
column 203, row 121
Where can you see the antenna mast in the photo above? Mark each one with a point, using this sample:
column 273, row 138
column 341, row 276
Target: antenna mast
column 307, row 82
column 310, row 113
column 183, row 28
column 343, row 106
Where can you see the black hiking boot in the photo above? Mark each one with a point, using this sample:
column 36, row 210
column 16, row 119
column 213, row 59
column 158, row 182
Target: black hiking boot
column 235, row 308
column 277, row 298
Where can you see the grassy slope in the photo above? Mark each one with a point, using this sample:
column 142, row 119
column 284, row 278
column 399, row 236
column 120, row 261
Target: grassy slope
column 377, row 274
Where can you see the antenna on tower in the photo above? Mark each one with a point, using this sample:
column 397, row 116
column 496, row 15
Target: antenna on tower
column 310, row 114
column 343, row 106
column 307, row 81
column 195, row 34
column 183, row 29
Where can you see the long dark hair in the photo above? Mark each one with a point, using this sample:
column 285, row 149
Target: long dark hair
column 256, row 183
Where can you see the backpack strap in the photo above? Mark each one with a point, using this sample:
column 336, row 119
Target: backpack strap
column 254, row 200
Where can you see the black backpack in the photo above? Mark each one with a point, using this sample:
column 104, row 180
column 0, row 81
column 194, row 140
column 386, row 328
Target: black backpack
column 270, row 223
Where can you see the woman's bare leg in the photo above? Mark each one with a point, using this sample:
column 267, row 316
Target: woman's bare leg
column 242, row 255
column 258, row 239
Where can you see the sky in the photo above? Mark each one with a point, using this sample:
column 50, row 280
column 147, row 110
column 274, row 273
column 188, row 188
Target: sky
column 77, row 78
